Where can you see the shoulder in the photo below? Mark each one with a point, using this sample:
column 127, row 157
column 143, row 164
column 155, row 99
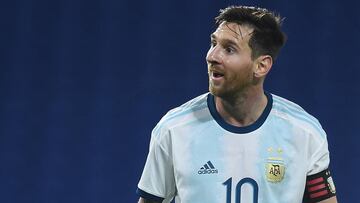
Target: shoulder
column 294, row 114
column 185, row 113
column 195, row 104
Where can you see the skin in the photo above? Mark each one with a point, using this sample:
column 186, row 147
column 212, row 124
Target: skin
column 236, row 79
column 239, row 93
column 330, row 200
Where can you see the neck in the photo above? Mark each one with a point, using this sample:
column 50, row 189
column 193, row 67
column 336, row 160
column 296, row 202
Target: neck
column 242, row 109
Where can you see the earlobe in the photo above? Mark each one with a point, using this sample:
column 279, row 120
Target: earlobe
column 264, row 64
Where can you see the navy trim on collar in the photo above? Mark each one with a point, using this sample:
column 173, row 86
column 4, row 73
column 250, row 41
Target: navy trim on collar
column 246, row 129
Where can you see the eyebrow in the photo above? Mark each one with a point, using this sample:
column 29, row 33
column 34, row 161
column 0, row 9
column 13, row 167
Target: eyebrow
column 225, row 41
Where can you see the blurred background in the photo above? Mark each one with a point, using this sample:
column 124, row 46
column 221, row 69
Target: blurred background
column 83, row 82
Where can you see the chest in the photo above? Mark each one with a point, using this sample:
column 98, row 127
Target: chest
column 212, row 160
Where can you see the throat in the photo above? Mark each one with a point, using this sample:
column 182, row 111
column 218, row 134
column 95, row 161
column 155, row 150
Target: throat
column 242, row 112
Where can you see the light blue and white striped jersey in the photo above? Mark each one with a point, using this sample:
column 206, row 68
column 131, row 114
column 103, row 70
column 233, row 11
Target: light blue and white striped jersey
column 196, row 157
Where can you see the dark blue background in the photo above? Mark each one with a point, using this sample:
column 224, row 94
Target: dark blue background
column 83, row 82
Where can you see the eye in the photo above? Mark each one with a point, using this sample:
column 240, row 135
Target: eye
column 230, row 50
column 212, row 43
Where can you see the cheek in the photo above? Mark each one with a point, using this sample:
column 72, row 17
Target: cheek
column 238, row 64
column 240, row 71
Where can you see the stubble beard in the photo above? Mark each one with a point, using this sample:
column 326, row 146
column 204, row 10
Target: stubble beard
column 223, row 92
column 231, row 92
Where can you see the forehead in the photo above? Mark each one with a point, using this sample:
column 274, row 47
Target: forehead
column 233, row 31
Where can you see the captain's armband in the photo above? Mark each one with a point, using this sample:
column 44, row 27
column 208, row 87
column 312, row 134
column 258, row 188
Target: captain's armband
column 319, row 187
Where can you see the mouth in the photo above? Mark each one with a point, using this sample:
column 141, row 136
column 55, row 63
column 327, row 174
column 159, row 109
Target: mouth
column 216, row 74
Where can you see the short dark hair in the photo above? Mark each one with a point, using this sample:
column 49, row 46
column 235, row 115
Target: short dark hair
column 267, row 37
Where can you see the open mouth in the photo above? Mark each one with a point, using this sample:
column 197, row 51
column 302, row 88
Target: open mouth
column 217, row 75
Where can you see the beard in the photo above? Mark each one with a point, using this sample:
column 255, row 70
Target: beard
column 232, row 87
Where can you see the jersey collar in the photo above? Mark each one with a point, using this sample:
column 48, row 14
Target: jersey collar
column 246, row 129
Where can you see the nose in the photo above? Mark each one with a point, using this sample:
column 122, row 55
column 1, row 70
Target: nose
column 214, row 55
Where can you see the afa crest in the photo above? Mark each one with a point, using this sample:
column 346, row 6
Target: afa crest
column 275, row 168
column 275, row 171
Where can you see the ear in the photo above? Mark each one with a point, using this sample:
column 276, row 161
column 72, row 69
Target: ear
column 263, row 66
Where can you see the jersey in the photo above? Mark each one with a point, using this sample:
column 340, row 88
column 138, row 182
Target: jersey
column 195, row 156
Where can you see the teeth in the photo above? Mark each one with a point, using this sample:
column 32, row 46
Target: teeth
column 217, row 75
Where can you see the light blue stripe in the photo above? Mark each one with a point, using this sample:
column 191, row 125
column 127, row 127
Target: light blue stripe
column 183, row 111
column 289, row 104
column 302, row 115
column 180, row 111
column 171, row 116
column 296, row 108
column 190, row 106
column 305, row 119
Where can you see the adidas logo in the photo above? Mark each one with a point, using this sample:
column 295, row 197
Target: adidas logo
column 208, row 168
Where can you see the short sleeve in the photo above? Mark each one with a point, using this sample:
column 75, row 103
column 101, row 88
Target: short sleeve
column 320, row 158
column 319, row 184
column 157, row 181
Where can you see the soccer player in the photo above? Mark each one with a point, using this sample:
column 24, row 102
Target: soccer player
column 239, row 143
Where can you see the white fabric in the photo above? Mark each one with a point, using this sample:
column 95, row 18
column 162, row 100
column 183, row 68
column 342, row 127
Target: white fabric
column 188, row 137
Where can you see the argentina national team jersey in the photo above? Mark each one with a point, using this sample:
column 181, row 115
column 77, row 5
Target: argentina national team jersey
column 196, row 157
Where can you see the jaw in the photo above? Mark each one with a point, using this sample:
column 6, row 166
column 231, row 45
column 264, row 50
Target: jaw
column 231, row 91
column 218, row 88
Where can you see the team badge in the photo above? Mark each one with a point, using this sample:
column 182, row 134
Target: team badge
column 275, row 168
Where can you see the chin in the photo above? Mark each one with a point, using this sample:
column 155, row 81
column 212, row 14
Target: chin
column 216, row 91
column 223, row 93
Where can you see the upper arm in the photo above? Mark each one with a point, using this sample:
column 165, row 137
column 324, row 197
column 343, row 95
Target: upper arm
column 320, row 186
column 157, row 181
column 330, row 200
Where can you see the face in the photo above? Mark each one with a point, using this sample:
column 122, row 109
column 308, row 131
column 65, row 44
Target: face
column 229, row 61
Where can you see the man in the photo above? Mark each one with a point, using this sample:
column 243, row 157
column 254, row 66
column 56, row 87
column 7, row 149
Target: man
column 238, row 143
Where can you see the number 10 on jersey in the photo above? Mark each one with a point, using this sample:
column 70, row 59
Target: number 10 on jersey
column 252, row 182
